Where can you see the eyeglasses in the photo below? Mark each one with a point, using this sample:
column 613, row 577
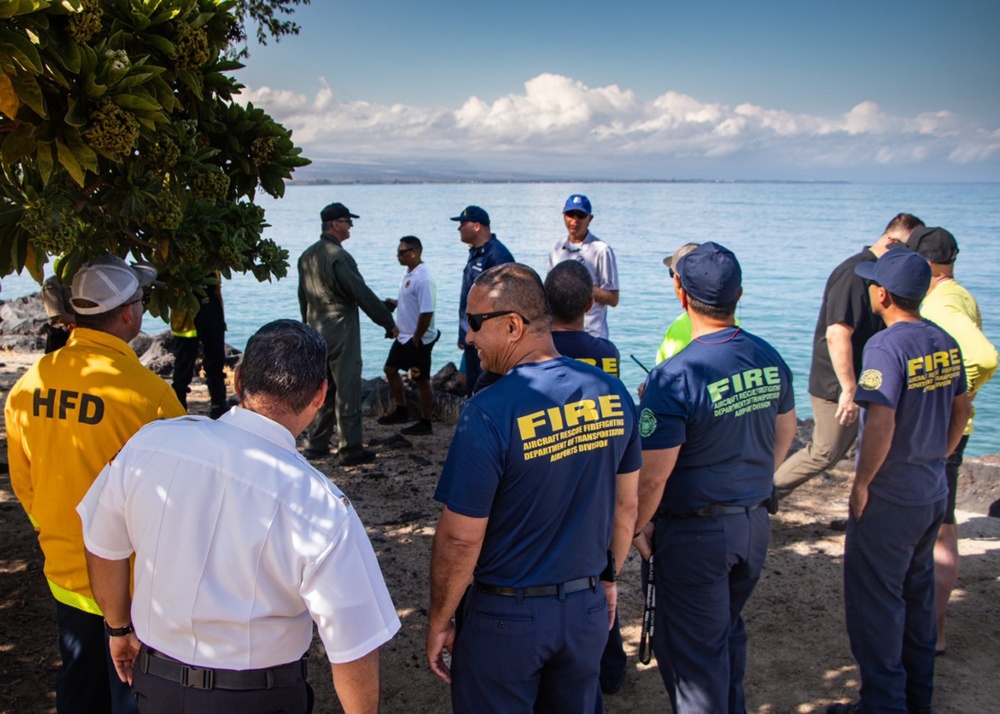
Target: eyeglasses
column 671, row 271
column 476, row 320
column 404, row 252
column 348, row 221
column 578, row 215
column 144, row 300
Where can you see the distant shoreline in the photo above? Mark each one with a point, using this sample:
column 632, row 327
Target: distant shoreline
column 500, row 180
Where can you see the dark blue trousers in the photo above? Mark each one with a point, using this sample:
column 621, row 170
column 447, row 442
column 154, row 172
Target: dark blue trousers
column 889, row 600
column 706, row 570
column 517, row 655
column 87, row 682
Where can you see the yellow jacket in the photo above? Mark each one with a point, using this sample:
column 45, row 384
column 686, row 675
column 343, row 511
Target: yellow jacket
column 67, row 417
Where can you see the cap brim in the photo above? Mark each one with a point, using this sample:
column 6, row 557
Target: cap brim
column 865, row 270
column 144, row 273
column 669, row 261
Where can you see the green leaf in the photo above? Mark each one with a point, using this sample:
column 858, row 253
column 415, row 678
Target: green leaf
column 22, row 49
column 84, row 154
column 30, row 93
column 162, row 44
column 76, row 113
column 18, row 144
column 45, row 160
column 65, row 51
column 136, row 102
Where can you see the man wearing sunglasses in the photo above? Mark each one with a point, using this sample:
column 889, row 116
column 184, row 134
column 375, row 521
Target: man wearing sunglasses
column 67, row 416
column 331, row 290
column 584, row 247
column 485, row 251
column 539, row 494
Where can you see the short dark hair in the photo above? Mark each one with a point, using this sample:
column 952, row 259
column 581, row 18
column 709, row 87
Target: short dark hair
column 103, row 321
column 569, row 288
column 906, row 221
column 284, row 364
column 516, row 287
column 719, row 312
column 412, row 242
column 906, row 304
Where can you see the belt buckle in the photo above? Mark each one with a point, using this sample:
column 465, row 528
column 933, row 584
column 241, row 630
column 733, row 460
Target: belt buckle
column 197, row 677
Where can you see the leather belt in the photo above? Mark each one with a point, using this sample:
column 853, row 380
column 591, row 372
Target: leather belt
column 571, row 586
column 717, row 509
column 160, row 665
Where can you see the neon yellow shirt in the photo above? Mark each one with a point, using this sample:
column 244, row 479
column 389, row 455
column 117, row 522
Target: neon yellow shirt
column 67, row 416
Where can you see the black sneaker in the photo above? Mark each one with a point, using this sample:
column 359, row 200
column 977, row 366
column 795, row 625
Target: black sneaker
column 315, row 454
column 838, row 524
column 421, row 428
column 360, row 456
column 400, row 416
column 840, row 708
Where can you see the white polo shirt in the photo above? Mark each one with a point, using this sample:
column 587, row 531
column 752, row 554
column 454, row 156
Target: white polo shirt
column 416, row 295
column 599, row 259
column 240, row 546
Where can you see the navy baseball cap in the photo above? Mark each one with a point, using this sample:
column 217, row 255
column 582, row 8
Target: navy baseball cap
column 711, row 274
column 900, row 272
column 474, row 214
column 934, row 244
column 577, row 202
column 335, row 211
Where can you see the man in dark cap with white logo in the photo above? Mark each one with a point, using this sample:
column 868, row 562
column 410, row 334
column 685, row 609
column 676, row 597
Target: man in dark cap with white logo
column 67, row 416
column 914, row 407
column 714, row 420
column 330, row 292
column 485, row 251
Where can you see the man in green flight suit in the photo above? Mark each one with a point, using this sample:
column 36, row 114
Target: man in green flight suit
column 330, row 291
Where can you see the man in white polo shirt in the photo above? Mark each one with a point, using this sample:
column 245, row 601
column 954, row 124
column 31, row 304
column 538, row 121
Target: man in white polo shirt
column 240, row 545
column 412, row 347
column 584, row 247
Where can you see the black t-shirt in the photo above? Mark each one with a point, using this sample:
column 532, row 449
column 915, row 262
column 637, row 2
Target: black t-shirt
column 845, row 299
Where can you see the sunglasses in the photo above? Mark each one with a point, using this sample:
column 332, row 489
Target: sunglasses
column 576, row 214
column 144, row 300
column 404, row 252
column 476, row 320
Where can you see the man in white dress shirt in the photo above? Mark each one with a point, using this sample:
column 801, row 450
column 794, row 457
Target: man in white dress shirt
column 240, row 545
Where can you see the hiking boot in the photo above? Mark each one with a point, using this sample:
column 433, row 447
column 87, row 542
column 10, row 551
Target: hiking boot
column 315, row 454
column 358, row 456
column 400, row 416
column 421, row 428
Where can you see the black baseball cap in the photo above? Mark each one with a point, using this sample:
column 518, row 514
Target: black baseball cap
column 934, row 244
column 335, row 211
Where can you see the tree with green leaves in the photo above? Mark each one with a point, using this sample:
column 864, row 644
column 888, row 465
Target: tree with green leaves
column 119, row 133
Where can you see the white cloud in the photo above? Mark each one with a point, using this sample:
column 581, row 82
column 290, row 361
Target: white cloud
column 558, row 121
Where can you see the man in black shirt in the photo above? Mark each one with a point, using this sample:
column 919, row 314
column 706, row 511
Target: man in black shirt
column 845, row 323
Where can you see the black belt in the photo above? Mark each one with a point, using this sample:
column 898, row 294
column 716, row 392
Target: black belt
column 717, row 509
column 160, row 665
column 571, row 586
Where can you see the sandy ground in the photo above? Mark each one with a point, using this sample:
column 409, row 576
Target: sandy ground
column 799, row 659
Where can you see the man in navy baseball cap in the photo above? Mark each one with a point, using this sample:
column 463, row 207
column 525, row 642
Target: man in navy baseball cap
column 711, row 274
column 901, row 272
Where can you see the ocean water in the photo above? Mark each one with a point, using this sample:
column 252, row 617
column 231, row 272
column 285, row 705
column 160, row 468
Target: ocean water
column 788, row 237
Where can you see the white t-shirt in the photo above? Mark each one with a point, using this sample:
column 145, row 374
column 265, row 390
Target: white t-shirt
column 240, row 545
column 417, row 295
column 600, row 261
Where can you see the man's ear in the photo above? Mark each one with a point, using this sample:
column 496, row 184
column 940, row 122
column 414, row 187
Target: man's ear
column 320, row 396
column 238, row 382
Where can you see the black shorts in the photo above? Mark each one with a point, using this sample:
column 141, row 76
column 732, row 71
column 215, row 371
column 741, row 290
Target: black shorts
column 951, row 468
column 413, row 357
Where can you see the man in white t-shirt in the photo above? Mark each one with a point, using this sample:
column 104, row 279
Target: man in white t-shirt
column 240, row 546
column 584, row 247
column 412, row 347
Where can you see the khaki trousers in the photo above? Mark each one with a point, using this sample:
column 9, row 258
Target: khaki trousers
column 830, row 443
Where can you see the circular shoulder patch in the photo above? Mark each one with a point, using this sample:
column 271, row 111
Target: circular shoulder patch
column 647, row 422
column 871, row 379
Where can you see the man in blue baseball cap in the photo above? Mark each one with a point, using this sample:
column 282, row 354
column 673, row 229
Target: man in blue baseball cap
column 584, row 247
column 714, row 420
column 914, row 408
column 485, row 251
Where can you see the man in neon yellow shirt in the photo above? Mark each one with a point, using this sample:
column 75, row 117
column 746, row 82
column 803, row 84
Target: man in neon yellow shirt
column 954, row 310
column 67, row 416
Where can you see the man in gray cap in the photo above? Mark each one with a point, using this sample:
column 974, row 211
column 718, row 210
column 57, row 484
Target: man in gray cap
column 330, row 291
column 67, row 416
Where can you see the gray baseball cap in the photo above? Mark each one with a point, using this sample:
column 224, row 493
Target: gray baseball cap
column 103, row 284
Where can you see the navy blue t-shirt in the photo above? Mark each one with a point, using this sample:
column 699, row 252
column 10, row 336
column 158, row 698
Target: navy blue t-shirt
column 717, row 399
column 916, row 369
column 489, row 254
column 538, row 453
column 586, row 348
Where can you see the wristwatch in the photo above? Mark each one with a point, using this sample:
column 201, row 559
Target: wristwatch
column 608, row 574
column 118, row 631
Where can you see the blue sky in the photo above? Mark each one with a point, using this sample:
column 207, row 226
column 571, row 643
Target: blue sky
column 774, row 89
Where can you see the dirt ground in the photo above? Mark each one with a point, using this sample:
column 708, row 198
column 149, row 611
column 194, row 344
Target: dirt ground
column 799, row 659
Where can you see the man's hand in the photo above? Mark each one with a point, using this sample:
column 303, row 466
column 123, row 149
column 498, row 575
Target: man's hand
column 847, row 410
column 611, row 594
column 858, row 501
column 644, row 541
column 124, row 650
column 439, row 641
